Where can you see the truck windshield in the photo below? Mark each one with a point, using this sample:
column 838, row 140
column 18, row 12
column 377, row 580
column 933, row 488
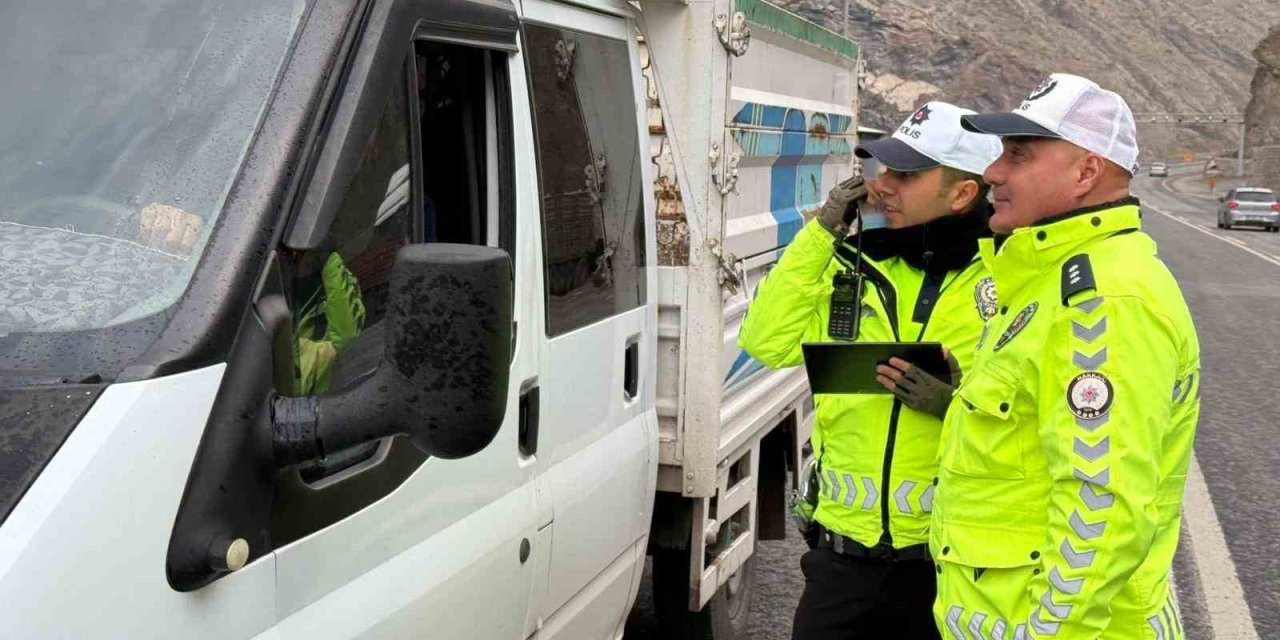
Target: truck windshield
column 122, row 127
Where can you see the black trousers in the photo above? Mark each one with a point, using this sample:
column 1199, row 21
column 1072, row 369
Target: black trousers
column 847, row 598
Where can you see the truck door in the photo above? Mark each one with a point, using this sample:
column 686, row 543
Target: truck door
column 597, row 445
column 379, row 540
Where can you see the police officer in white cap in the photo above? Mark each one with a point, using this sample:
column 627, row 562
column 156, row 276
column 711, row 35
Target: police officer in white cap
column 1064, row 455
column 915, row 279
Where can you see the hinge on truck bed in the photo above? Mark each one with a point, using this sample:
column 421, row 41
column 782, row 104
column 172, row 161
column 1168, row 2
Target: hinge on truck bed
column 566, row 51
column 725, row 177
column 594, row 173
column 734, row 33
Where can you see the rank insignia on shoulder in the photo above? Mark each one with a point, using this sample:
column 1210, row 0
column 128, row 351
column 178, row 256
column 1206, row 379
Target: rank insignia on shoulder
column 1077, row 276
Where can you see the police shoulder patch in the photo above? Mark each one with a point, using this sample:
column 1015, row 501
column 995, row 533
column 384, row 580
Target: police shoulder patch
column 984, row 296
column 1077, row 276
column 1019, row 322
column 1089, row 395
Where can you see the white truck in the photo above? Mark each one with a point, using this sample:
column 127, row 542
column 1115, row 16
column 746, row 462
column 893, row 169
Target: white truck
column 398, row 318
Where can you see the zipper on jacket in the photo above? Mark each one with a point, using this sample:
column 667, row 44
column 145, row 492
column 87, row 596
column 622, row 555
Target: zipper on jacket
column 885, row 536
column 934, row 285
column 889, row 298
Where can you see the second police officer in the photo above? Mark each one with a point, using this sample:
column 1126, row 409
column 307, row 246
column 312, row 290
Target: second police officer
column 870, row 574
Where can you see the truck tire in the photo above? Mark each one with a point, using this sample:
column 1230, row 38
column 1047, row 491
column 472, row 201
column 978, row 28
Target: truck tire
column 725, row 617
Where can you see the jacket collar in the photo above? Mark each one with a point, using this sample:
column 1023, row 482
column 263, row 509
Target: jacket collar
column 1020, row 258
column 949, row 243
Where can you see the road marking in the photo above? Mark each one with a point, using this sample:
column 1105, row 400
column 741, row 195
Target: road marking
column 1229, row 614
column 1224, row 597
column 1205, row 230
column 1164, row 184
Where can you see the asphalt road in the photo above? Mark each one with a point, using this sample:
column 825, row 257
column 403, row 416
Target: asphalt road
column 1231, row 280
column 1227, row 570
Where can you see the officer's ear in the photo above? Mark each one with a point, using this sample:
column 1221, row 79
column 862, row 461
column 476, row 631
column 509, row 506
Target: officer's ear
column 963, row 193
column 1090, row 170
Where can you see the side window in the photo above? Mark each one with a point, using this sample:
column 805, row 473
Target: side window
column 457, row 115
column 340, row 288
column 589, row 169
column 464, row 115
column 436, row 167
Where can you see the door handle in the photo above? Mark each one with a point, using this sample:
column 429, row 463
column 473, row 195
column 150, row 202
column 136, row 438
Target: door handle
column 631, row 369
column 529, row 417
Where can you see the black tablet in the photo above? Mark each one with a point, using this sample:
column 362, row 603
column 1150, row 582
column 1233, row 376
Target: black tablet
column 850, row 367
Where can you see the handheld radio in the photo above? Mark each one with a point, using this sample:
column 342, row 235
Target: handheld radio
column 846, row 305
column 847, row 287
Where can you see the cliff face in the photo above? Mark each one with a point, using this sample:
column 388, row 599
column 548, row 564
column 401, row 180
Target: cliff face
column 1262, row 118
column 1163, row 56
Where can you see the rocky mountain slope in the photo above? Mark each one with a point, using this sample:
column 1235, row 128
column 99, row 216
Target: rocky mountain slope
column 1162, row 55
column 1263, row 113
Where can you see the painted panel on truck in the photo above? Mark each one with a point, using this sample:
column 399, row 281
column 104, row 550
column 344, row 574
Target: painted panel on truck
column 791, row 104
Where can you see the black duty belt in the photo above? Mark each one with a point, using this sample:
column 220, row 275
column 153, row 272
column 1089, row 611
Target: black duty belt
column 846, row 546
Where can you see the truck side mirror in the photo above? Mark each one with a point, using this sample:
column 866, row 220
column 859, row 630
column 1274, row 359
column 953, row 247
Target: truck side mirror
column 443, row 376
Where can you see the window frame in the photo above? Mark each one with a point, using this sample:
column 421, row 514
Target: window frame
column 304, row 507
column 498, row 95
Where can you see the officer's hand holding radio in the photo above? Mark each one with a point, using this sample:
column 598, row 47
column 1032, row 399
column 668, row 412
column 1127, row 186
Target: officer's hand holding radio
column 841, row 207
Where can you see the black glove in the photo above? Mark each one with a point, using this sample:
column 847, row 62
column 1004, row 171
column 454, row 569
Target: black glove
column 918, row 389
column 841, row 207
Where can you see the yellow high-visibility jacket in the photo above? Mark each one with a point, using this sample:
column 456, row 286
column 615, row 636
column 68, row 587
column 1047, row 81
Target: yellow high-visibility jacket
column 1066, row 447
column 877, row 457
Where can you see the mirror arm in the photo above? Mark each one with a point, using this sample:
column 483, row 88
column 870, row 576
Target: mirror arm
column 294, row 430
column 306, row 428
column 358, row 414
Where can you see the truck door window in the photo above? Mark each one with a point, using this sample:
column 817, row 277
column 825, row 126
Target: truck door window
column 589, row 168
column 463, row 117
column 434, row 169
column 341, row 287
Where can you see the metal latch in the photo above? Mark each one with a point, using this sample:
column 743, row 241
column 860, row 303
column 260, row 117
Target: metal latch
column 734, row 33
column 728, row 278
column 726, row 178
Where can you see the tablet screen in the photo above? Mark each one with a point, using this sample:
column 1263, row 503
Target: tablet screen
column 850, row 367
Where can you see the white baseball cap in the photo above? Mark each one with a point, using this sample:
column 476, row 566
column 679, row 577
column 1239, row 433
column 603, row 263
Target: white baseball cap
column 933, row 137
column 1074, row 109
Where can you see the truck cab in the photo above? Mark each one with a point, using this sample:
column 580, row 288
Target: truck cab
column 324, row 318
column 397, row 318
